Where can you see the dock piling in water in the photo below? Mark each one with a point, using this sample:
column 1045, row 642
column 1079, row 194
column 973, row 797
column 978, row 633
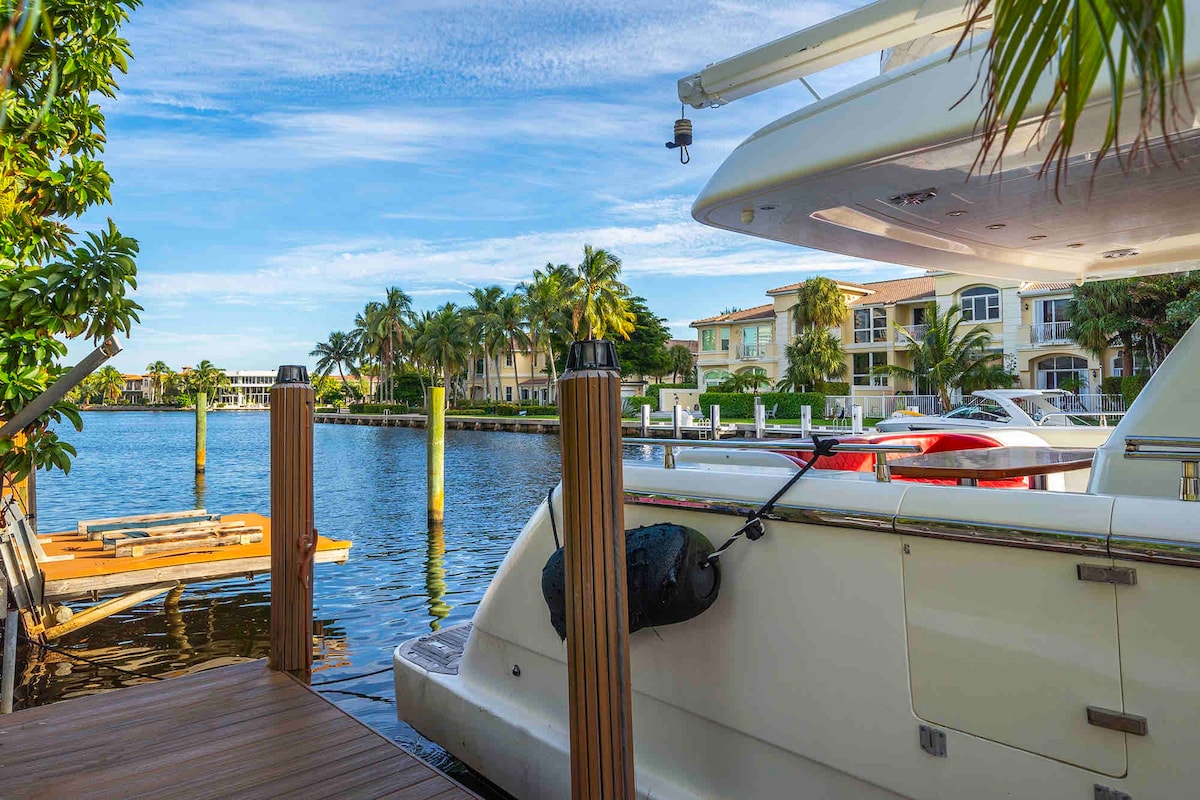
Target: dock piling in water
column 8, row 664
column 435, row 457
column 601, row 720
column 201, row 430
column 293, row 535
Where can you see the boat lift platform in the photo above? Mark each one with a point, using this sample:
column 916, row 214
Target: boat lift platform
column 241, row 731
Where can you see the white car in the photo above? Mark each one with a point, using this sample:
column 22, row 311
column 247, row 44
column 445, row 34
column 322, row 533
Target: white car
column 989, row 408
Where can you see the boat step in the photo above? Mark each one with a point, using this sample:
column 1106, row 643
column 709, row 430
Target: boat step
column 438, row 652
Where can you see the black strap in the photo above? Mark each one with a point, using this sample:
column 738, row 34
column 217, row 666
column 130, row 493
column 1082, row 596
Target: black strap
column 553, row 524
column 754, row 529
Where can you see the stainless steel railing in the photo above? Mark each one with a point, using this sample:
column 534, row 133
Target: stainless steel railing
column 880, row 451
column 1184, row 449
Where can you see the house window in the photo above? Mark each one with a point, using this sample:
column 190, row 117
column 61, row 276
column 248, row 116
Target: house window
column 1053, row 310
column 715, row 376
column 708, row 339
column 1118, row 365
column 724, row 338
column 864, row 363
column 1054, row 371
column 754, row 340
column 524, row 394
column 870, row 325
column 918, row 315
column 508, row 394
column 479, row 366
column 981, row 304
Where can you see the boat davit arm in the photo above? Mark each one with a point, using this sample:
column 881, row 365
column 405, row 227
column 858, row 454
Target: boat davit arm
column 874, row 27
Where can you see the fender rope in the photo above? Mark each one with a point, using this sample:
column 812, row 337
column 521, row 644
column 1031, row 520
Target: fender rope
column 754, row 529
column 553, row 524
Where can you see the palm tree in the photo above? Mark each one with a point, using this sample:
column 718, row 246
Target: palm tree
column 1075, row 42
column 157, row 372
column 337, row 353
column 813, row 356
column 207, row 377
column 600, row 302
column 391, row 325
column 819, row 304
column 110, row 383
column 548, row 310
column 1102, row 314
column 487, row 331
column 445, row 341
column 942, row 358
column 746, row 381
column 682, row 362
column 367, row 340
column 511, row 314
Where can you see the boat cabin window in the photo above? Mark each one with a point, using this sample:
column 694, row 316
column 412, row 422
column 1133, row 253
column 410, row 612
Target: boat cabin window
column 980, row 304
column 980, row 409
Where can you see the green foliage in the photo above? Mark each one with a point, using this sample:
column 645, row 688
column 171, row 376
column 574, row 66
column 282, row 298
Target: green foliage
column 1074, row 42
column 1111, row 385
column 53, row 285
column 819, row 304
column 683, row 363
column 989, row 374
column 1131, row 387
column 599, row 301
column 942, row 356
column 833, row 388
column 644, row 352
column 812, row 356
column 736, row 404
column 745, row 382
column 654, row 390
column 379, row 408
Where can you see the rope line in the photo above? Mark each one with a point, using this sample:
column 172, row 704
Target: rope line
column 352, row 677
column 553, row 524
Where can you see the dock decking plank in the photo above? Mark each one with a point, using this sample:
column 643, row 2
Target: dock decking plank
column 239, row 731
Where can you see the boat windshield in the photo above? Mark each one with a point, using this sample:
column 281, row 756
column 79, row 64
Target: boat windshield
column 981, row 409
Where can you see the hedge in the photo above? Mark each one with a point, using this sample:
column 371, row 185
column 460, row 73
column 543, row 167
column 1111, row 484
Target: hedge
column 379, row 408
column 835, row 388
column 1131, row 387
column 512, row 410
column 740, row 404
column 1111, row 385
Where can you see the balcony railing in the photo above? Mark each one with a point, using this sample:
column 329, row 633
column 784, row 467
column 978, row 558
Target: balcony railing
column 915, row 331
column 750, row 352
column 1050, row 332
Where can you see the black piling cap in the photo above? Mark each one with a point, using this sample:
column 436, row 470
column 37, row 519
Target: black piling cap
column 592, row 354
column 292, row 374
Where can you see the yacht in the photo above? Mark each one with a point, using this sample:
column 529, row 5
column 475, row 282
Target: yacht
column 991, row 408
column 886, row 638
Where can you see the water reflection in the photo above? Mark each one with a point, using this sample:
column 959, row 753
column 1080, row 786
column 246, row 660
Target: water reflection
column 435, row 575
column 201, row 489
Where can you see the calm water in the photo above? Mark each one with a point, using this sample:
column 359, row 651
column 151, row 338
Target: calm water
column 399, row 583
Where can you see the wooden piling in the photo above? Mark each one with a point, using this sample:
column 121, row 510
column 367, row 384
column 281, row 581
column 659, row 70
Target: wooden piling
column 601, row 724
column 201, row 430
column 293, row 536
column 8, row 662
column 435, row 458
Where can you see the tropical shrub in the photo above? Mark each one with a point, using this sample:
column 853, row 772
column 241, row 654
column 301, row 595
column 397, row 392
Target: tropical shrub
column 1131, row 387
column 1111, row 385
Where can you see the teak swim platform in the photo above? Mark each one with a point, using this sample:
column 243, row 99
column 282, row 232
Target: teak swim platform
column 241, row 731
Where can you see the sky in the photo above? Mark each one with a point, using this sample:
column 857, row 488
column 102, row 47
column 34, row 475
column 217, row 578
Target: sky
column 282, row 163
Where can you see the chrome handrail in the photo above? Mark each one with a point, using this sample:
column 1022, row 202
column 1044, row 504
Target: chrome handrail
column 1186, row 450
column 880, row 451
column 1101, row 414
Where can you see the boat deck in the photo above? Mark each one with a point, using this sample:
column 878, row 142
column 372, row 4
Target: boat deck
column 241, row 731
column 93, row 570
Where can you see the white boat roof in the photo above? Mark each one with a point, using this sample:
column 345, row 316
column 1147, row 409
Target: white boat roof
column 1017, row 394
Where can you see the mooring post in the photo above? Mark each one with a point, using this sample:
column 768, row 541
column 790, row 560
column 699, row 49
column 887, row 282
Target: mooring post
column 435, row 458
column 676, row 421
column 8, row 664
column 201, row 430
column 856, row 419
column 760, row 420
column 601, row 723
column 293, row 535
column 714, row 421
column 645, row 420
column 805, row 420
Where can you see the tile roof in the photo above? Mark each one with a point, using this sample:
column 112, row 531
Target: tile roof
column 690, row 344
column 896, row 291
column 758, row 312
column 1034, row 286
column 791, row 286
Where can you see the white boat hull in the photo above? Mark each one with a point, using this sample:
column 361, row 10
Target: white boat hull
column 855, row 621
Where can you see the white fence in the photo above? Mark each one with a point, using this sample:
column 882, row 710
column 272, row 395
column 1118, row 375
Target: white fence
column 1093, row 403
column 839, row 406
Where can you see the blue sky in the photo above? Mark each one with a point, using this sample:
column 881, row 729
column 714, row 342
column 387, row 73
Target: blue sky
column 282, row 163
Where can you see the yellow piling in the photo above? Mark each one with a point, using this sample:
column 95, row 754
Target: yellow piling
column 435, row 466
column 601, row 724
column 293, row 536
column 201, row 430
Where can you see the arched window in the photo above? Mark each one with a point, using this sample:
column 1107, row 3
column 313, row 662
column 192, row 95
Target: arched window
column 714, row 376
column 751, row 371
column 1052, row 372
column 980, row 304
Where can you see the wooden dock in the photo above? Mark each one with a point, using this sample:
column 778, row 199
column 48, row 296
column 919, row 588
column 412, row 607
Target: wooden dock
column 92, row 570
column 241, row 731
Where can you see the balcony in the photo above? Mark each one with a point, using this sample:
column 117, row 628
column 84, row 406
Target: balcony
column 1050, row 333
column 915, row 331
column 751, row 352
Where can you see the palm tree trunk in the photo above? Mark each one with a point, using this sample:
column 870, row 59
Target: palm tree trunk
column 516, row 380
column 553, row 373
column 1127, row 354
column 487, row 380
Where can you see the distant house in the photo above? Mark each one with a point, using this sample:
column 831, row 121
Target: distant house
column 136, row 390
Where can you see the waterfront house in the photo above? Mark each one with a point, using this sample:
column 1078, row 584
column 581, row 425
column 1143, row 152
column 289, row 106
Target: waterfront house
column 1027, row 321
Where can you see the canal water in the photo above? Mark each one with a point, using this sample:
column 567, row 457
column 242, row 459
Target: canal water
column 400, row 582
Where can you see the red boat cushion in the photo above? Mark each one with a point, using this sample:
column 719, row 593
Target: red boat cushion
column 929, row 442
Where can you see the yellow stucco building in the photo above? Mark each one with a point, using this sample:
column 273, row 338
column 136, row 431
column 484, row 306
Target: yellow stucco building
column 1027, row 321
